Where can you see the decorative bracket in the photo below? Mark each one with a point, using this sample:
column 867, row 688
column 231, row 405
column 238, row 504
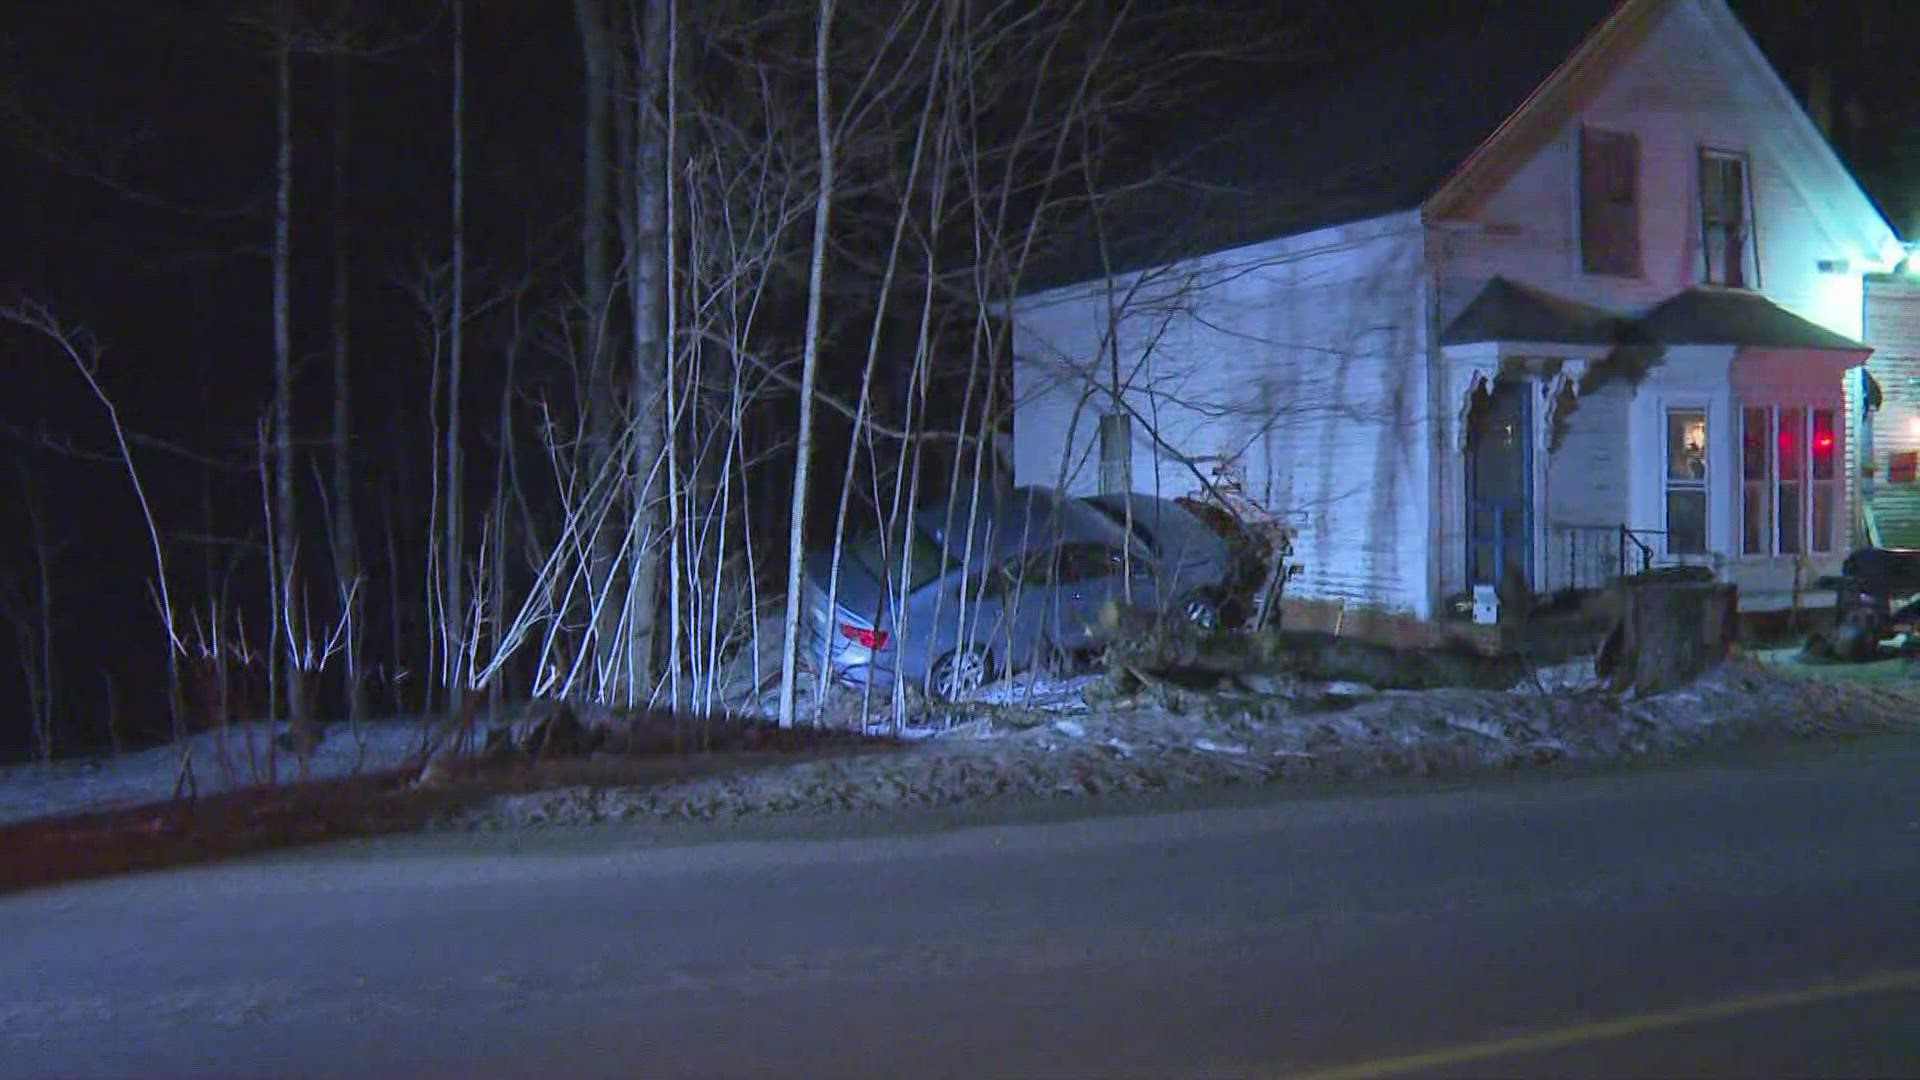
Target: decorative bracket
column 1479, row 382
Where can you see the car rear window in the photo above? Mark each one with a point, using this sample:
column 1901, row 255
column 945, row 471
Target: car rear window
column 1117, row 513
column 881, row 552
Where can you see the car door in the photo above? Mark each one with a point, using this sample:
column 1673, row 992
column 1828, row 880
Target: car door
column 1001, row 609
column 1088, row 575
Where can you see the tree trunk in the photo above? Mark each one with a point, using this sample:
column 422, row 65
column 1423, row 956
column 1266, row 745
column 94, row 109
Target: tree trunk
column 299, row 708
column 649, row 256
column 346, row 544
column 1670, row 630
column 602, row 418
column 452, row 560
column 809, row 369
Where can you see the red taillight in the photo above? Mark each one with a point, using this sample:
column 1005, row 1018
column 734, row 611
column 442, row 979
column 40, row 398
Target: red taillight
column 863, row 635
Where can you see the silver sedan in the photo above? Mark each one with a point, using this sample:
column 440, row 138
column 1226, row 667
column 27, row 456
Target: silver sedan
column 961, row 591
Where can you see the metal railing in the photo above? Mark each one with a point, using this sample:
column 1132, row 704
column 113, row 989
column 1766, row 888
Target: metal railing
column 1581, row 558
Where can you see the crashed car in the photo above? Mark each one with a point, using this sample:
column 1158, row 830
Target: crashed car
column 957, row 594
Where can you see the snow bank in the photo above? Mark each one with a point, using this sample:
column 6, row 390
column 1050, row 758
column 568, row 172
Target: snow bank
column 240, row 755
column 1174, row 739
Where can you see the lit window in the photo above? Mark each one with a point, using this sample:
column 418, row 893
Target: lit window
column 1790, row 480
column 1686, row 482
column 1756, row 473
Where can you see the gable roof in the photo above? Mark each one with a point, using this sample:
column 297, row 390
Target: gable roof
column 1703, row 315
column 1424, row 126
column 1710, row 316
column 1345, row 146
column 1507, row 311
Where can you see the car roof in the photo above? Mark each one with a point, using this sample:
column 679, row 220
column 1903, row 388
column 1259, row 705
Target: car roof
column 1012, row 521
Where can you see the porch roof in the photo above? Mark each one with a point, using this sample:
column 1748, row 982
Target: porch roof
column 1507, row 311
column 1709, row 316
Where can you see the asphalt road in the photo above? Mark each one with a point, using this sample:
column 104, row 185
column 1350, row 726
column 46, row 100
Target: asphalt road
column 1749, row 917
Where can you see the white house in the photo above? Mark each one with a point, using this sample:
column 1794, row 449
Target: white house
column 1580, row 284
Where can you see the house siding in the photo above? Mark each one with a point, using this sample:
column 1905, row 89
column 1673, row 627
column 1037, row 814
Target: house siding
column 1680, row 91
column 1893, row 329
column 1586, row 491
column 1293, row 366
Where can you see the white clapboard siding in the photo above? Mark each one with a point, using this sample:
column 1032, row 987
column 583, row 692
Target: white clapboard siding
column 1298, row 364
column 1893, row 329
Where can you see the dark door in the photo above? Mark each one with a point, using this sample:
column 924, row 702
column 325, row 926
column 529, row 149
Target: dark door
column 1499, row 485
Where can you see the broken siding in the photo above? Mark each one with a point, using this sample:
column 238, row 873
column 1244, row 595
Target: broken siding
column 1295, row 365
column 1893, row 329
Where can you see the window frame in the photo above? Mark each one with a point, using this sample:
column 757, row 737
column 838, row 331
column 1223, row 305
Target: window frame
column 1671, row 484
column 1749, row 264
column 1622, row 256
column 1805, row 479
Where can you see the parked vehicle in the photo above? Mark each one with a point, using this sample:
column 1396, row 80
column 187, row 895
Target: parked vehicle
column 955, row 595
column 1876, row 593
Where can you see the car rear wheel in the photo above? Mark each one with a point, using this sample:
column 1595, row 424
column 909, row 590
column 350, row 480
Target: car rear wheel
column 1202, row 611
column 960, row 673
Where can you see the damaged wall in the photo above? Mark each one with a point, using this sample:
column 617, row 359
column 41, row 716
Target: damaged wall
column 1293, row 363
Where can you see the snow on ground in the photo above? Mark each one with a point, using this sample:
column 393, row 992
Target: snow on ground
column 237, row 756
column 1163, row 738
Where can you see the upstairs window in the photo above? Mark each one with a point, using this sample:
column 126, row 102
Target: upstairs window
column 1609, row 202
column 1726, row 220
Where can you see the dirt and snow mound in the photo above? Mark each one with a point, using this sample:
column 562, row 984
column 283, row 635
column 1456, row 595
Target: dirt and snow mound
column 1163, row 738
column 238, row 755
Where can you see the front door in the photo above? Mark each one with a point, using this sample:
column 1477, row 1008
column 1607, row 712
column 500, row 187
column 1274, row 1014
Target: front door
column 1500, row 485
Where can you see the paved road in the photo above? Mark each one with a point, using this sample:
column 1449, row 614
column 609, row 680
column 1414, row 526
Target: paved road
column 1751, row 917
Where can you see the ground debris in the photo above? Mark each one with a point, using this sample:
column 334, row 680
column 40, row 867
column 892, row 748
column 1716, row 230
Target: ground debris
column 1187, row 738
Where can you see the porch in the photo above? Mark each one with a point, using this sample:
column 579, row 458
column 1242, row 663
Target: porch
column 1710, row 433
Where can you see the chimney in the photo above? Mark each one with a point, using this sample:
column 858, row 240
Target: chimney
column 1820, row 96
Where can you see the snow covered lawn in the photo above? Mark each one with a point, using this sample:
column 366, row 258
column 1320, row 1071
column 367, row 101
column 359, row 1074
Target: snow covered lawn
column 1080, row 740
column 240, row 756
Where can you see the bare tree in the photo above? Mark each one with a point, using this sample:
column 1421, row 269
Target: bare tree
column 346, row 543
column 29, row 606
column 80, row 350
column 301, row 725
column 453, row 555
column 810, row 364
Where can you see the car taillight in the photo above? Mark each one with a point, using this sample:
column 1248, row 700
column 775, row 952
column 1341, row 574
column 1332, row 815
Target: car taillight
column 862, row 635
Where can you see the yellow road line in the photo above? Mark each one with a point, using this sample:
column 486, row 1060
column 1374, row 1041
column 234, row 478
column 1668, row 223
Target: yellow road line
column 1620, row 1027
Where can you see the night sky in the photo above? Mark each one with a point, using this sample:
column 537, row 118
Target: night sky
column 134, row 198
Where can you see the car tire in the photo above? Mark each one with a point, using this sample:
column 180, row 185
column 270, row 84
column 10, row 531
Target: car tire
column 960, row 673
column 1202, row 611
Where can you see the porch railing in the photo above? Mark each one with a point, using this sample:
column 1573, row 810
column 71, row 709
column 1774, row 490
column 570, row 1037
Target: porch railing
column 1586, row 557
column 1581, row 557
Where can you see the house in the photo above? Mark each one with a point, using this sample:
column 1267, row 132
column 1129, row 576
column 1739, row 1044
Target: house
column 1577, row 290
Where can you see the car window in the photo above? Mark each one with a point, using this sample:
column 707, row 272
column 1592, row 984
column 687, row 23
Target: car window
column 1083, row 562
column 881, row 554
column 1001, row 580
column 1117, row 514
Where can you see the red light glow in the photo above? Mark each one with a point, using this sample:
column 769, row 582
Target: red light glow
column 1823, row 441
